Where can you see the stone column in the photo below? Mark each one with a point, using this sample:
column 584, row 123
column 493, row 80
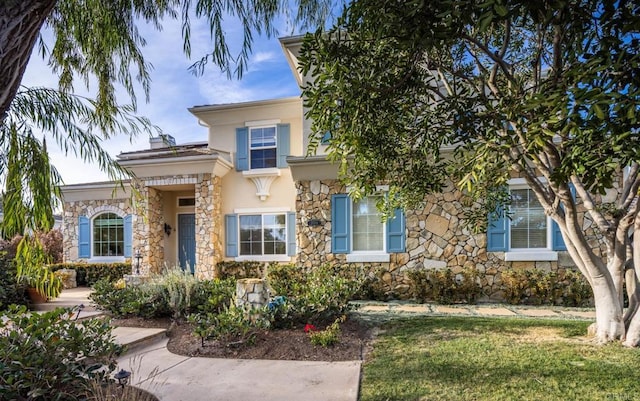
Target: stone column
column 251, row 293
column 205, row 225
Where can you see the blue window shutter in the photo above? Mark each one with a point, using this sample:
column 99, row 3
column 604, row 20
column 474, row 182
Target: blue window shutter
column 231, row 234
column 282, row 151
column 242, row 149
column 291, row 234
column 128, row 235
column 340, row 223
column 395, row 232
column 557, row 242
column 326, row 138
column 497, row 232
column 556, row 237
column 84, row 237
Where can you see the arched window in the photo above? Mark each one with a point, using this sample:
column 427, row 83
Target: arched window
column 108, row 235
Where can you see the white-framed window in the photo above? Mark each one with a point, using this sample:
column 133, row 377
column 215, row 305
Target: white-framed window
column 359, row 232
column 263, row 234
column 262, row 147
column 525, row 233
column 529, row 224
column 107, row 235
column 368, row 230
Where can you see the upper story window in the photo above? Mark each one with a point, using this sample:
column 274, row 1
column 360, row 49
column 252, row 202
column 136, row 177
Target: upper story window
column 263, row 146
column 108, row 235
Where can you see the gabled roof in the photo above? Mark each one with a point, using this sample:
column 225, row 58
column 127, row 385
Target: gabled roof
column 189, row 149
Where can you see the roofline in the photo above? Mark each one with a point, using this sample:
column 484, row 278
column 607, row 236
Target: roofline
column 174, row 150
column 253, row 103
column 94, row 185
column 175, row 160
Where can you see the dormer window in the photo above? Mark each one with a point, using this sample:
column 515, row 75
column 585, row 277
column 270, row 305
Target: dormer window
column 263, row 146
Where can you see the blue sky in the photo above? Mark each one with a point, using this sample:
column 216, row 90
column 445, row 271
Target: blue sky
column 174, row 89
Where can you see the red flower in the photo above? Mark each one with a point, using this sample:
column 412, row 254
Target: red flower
column 309, row 327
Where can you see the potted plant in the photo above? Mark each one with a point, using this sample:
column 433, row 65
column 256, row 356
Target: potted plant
column 32, row 270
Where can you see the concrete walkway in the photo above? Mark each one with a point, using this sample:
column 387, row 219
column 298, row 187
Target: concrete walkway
column 181, row 378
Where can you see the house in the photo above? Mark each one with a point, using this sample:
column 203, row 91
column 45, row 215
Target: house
column 250, row 193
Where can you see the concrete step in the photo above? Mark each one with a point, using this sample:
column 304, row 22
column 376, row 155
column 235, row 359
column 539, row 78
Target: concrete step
column 136, row 338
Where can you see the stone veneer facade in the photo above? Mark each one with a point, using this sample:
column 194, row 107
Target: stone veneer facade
column 436, row 236
column 72, row 210
column 146, row 207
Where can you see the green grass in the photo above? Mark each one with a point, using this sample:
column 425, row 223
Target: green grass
column 477, row 359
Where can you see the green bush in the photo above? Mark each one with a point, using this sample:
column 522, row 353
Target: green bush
column 50, row 357
column 11, row 291
column 445, row 287
column 539, row 287
column 87, row 274
column 238, row 270
column 231, row 325
column 317, row 295
column 329, row 336
column 174, row 293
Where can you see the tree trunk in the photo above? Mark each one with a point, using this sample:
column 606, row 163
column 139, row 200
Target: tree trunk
column 609, row 321
column 20, row 23
column 632, row 316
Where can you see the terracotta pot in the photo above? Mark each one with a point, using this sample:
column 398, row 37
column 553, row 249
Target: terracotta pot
column 35, row 296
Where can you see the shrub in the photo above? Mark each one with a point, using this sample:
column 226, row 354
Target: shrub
column 212, row 296
column 11, row 292
column 173, row 293
column 577, row 291
column 445, row 287
column 49, row 357
column 52, row 243
column 87, row 274
column 318, row 295
column 231, row 325
column 516, row 285
column 328, row 336
column 238, row 270
column 539, row 287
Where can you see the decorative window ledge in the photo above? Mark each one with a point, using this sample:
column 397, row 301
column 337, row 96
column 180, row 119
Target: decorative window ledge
column 262, row 178
column 107, row 259
column 368, row 257
column 263, row 258
column 531, row 256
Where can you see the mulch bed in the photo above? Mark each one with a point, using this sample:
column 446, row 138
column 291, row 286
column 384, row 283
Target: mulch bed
column 278, row 344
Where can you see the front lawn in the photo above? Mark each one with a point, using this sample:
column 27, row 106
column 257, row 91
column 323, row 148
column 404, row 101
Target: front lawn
column 449, row 358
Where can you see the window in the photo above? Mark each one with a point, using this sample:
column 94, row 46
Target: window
column 186, row 202
column 368, row 229
column 262, row 143
column 261, row 236
column 108, row 235
column 358, row 230
column 525, row 233
column 262, row 147
column 528, row 221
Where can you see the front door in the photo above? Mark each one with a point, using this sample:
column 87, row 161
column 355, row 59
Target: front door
column 187, row 241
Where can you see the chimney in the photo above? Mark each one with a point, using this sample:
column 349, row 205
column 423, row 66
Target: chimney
column 162, row 141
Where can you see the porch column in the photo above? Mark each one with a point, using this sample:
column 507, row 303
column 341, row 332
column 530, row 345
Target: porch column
column 148, row 230
column 208, row 225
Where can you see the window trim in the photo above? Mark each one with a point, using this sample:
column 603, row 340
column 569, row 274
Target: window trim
column 279, row 257
column 274, row 147
column 529, row 254
column 105, row 259
column 384, row 232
